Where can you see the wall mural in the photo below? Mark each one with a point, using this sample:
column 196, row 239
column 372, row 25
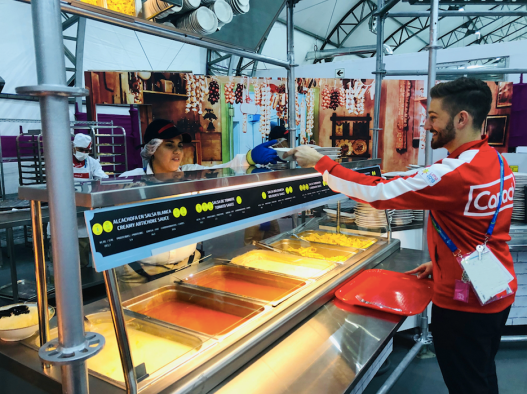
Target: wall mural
column 228, row 115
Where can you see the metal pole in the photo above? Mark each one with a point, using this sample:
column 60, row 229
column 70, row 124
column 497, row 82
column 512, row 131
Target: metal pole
column 514, row 338
column 12, row 261
column 383, row 10
column 54, row 111
column 291, row 82
column 79, row 57
column 443, row 14
column 397, row 372
column 114, row 298
column 432, row 61
column 460, row 72
column 379, row 69
column 338, row 217
column 40, row 273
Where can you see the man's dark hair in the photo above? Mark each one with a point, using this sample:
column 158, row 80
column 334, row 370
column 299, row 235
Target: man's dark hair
column 465, row 94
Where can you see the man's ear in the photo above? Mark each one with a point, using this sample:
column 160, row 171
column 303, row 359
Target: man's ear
column 463, row 119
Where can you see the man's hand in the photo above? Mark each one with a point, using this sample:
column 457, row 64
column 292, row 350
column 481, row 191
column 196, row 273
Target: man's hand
column 424, row 270
column 305, row 156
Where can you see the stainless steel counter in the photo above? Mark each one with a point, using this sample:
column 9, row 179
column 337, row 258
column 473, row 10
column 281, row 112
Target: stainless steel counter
column 329, row 352
column 110, row 192
column 21, row 361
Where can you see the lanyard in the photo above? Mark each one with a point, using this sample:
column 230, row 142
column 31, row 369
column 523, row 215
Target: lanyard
column 446, row 239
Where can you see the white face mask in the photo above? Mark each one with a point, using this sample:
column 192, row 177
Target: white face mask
column 81, row 156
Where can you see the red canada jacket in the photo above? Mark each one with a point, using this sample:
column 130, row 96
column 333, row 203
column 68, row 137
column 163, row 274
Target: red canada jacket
column 462, row 192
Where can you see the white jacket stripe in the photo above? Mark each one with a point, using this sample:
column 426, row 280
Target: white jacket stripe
column 400, row 186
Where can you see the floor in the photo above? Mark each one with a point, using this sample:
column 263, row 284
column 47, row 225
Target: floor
column 424, row 377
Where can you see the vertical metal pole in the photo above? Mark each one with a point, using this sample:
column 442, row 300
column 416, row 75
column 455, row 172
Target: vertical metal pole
column 291, row 82
column 432, row 60
column 54, row 111
column 12, row 261
column 379, row 68
column 338, row 217
column 40, row 273
column 114, row 298
column 79, row 57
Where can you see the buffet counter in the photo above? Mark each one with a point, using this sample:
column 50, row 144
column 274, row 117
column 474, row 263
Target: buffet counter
column 331, row 351
column 192, row 329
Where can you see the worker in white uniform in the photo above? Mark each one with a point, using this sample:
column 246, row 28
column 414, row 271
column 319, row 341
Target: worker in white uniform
column 162, row 153
column 86, row 168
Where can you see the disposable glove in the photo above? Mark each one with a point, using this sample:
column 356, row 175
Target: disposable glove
column 262, row 154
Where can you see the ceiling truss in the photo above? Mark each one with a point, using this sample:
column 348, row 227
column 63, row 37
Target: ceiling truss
column 348, row 24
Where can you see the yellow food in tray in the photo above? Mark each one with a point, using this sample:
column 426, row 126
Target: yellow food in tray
column 154, row 351
column 300, row 267
column 339, row 239
column 123, row 6
column 312, row 252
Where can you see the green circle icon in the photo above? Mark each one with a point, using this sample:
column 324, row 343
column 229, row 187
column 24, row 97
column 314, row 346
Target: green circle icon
column 176, row 212
column 264, row 195
column 211, row 206
column 183, row 211
column 301, row 188
column 307, row 187
column 107, row 226
column 198, row 208
column 239, row 200
column 97, row 229
column 205, row 207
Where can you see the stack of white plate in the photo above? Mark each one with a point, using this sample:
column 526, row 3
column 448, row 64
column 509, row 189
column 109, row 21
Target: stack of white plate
column 332, row 152
column 189, row 5
column 369, row 217
column 345, row 217
column 402, row 217
column 239, row 6
column 419, row 216
column 518, row 208
column 223, row 12
column 201, row 21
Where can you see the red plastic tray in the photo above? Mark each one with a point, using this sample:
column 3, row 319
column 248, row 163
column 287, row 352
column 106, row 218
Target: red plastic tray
column 388, row 291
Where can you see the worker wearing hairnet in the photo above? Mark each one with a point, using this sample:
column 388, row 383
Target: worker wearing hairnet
column 162, row 153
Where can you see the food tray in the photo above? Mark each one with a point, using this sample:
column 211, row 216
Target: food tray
column 204, row 311
column 327, row 252
column 388, row 291
column 245, row 282
column 155, row 349
column 287, row 264
column 354, row 241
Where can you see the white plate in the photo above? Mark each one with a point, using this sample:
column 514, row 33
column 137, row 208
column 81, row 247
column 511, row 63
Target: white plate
column 281, row 152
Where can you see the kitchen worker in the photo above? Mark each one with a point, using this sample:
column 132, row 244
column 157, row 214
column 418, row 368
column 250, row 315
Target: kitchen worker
column 163, row 152
column 85, row 166
column 462, row 193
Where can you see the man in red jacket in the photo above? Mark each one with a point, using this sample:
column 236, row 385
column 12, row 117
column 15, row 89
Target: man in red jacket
column 462, row 192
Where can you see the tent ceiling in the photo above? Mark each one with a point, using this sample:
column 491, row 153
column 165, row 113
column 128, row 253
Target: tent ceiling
column 332, row 20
